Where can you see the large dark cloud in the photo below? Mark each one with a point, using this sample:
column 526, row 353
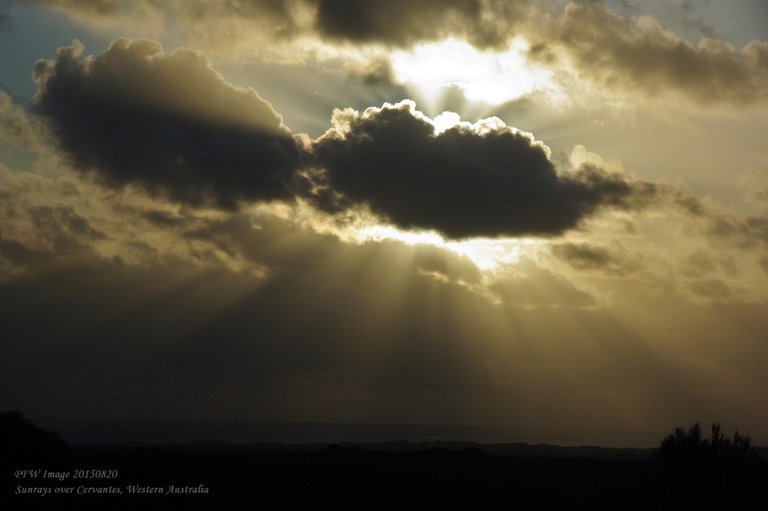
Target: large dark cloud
column 398, row 21
column 167, row 122
column 476, row 180
column 404, row 22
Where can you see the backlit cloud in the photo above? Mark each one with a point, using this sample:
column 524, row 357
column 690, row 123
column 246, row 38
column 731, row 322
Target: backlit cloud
column 167, row 122
column 467, row 180
column 615, row 53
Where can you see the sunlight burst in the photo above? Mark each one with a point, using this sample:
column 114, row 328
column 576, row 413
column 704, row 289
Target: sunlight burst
column 493, row 78
column 486, row 254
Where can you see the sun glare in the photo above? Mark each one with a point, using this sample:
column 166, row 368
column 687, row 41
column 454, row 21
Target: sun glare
column 489, row 77
column 486, row 254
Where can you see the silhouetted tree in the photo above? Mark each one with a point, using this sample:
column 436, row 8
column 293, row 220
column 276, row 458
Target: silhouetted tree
column 25, row 445
column 685, row 448
column 717, row 472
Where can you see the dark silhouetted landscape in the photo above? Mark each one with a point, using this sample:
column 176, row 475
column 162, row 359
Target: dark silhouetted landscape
column 686, row 472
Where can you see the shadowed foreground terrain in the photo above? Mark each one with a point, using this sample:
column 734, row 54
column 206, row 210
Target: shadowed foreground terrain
column 392, row 475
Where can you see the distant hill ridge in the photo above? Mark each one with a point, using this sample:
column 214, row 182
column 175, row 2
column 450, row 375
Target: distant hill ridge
column 518, row 449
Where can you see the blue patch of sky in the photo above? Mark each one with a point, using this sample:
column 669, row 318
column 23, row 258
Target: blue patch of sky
column 32, row 33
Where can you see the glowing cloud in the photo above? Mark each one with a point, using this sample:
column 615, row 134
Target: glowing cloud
column 486, row 254
column 491, row 77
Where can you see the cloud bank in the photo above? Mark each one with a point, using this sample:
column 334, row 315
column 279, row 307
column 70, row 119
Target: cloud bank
column 616, row 53
column 637, row 55
column 168, row 122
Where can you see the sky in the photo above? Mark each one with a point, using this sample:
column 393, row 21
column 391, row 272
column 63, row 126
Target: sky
column 531, row 214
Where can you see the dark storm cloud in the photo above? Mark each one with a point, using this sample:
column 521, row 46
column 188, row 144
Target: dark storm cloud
column 167, row 122
column 468, row 181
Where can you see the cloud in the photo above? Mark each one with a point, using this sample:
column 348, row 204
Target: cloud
column 170, row 124
column 91, row 7
column 167, row 122
column 594, row 258
column 127, row 304
column 18, row 126
column 718, row 222
column 632, row 54
column 689, row 22
column 227, row 24
column 139, row 15
column 637, row 54
column 399, row 22
column 764, row 264
column 312, row 318
column 403, row 23
column 535, row 287
column 710, row 291
column 230, row 25
column 469, row 180
column 702, row 264
column 330, row 330
column 40, row 228
column 220, row 340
